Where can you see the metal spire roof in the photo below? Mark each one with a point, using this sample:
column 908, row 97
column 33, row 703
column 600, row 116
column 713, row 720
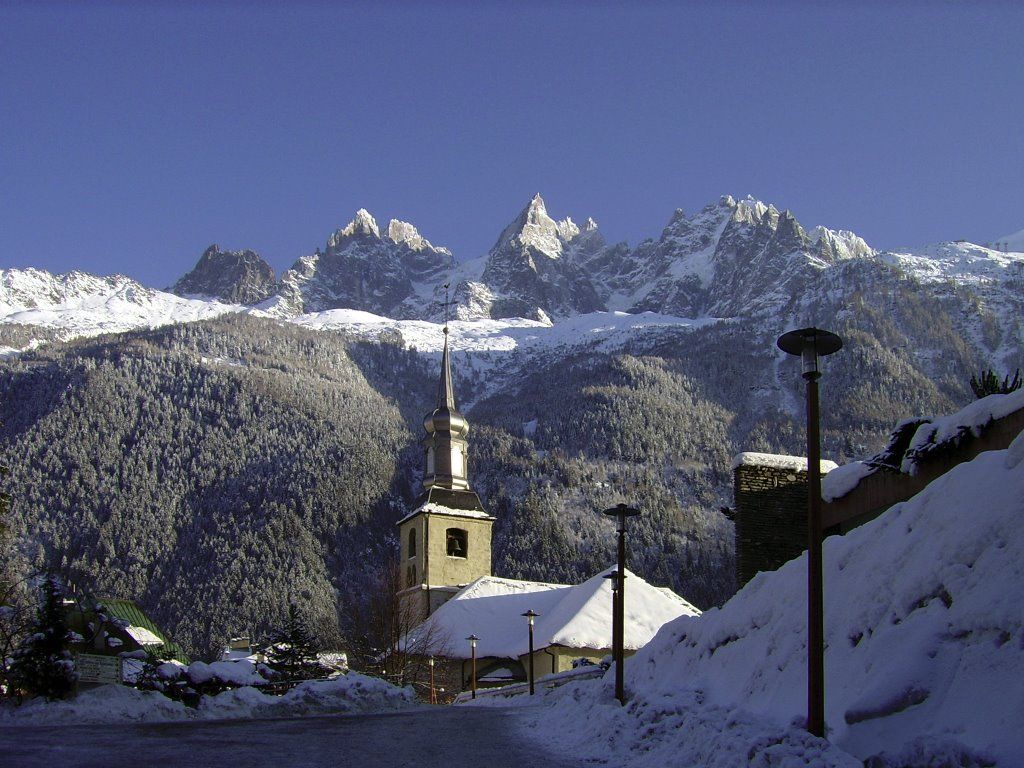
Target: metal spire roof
column 445, row 393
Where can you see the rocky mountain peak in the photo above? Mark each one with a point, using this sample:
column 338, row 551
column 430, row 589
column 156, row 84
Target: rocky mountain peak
column 404, row 233
column 533, row 229
column 362, row 225
column 236, row 277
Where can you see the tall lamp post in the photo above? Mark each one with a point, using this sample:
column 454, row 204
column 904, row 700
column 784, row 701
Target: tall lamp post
column 620, row 512
column 810, row 344
column 433, row 690
column 530, row 616
column 472, row 647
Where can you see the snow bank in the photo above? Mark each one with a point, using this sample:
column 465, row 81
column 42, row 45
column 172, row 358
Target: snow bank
column 351, row 693
column 924, row 631
column 585, row 723
column 924, row 658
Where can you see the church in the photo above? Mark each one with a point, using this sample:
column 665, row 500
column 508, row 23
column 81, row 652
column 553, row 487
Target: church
column 448, row 592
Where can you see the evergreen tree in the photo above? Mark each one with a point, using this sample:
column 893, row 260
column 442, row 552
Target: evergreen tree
column 42, row 666
column 292, row 651
column 988, row 384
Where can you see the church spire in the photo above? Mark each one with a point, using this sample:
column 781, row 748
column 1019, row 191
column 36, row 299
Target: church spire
column 445, row 393
column 447, row 447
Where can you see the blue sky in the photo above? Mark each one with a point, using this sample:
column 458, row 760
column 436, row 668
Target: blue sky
column 134, row 135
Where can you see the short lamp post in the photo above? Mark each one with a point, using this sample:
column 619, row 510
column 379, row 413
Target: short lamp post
column 620, row 512
column 810, row 344
column 433, row 690
column 472, row 647
column 530, row 616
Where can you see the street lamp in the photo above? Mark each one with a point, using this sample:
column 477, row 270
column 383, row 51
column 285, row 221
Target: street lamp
column 530, row 616
column 620, row 512
column 472, row 646
column 810, row 344
column 433, row 691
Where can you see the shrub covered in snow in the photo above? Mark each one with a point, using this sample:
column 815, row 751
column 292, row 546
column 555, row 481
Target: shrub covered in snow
column 351, row 693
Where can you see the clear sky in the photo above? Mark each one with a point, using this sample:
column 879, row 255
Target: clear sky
column 134, row 135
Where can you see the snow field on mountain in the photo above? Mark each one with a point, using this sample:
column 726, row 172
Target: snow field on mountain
column 924, row 649
column 349, row 694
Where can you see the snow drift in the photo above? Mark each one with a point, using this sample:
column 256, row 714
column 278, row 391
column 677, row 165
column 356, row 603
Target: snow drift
column 924, row 650
column 924, row 627
column 349, row 694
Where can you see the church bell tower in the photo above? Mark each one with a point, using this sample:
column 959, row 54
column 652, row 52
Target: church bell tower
column 446, row 538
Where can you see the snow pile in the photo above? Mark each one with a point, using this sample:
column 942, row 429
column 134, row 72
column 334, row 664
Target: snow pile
column 924, row 658
column 241, row 672
column 105, row 704
column 585, row 723
column 924, row 632
column 841, row 480
column 351, row 693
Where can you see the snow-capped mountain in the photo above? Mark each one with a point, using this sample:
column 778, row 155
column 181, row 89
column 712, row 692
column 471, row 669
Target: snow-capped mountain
column 235, row 277
column 77, row 304
column 393, row 274
column 731, row 258
column 534, row 269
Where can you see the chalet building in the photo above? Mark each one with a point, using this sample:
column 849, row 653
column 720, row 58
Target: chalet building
column 114, row 627
column 449, row 593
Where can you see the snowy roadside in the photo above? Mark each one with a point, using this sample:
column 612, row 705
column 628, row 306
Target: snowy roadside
column 924, row 652
column 350, row 694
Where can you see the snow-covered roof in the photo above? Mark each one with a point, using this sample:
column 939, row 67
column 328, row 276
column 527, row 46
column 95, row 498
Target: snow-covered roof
column 438, row 509
column 143, row 636
column 577, row 616
column 776, row 461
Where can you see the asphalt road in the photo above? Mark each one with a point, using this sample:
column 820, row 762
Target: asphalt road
column 445, row 737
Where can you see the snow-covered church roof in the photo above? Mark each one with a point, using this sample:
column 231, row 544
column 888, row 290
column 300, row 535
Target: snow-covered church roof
column 571, row 616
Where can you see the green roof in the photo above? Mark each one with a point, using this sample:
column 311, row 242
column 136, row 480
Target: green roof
column 128, row 611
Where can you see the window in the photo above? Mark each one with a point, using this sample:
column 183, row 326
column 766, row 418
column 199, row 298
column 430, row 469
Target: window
column 457, row 542
column 412, row 542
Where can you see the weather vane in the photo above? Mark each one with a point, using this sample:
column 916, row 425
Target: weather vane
column 446, row 305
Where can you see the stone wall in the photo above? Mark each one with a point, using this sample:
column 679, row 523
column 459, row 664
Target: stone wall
column 770, row 517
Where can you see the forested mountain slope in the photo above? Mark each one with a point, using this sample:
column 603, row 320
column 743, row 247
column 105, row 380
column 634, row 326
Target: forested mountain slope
column 213, row 470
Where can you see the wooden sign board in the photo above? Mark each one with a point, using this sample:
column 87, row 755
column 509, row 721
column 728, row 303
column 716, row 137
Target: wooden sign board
column 92, row 668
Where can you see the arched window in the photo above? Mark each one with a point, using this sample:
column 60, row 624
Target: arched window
column 457, row 542
column 412, row 542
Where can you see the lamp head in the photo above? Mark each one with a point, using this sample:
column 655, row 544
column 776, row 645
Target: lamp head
column 530, row 616
column 809, row 344
column 621, row 511
column 472, row 640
